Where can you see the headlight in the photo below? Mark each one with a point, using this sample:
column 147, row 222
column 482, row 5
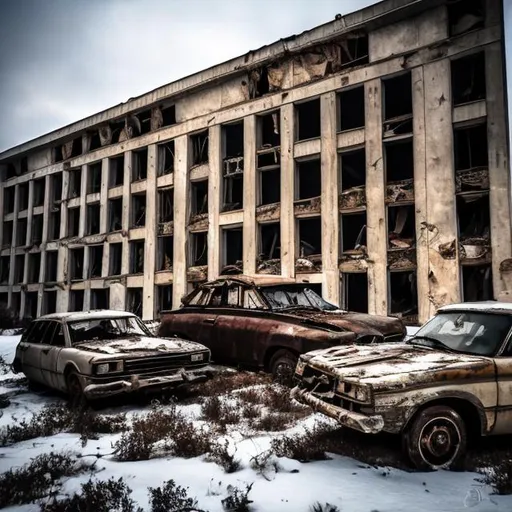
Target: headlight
column 354, row 391
column 301, row 365
column 104, row 368
column 197, row 357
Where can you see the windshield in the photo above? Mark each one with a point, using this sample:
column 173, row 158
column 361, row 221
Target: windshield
column 106, row 329
column 466, row 332
column 281, row 298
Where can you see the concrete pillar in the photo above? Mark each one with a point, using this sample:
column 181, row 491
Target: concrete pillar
column 376, row 231
column 443, row 273
column 125, row 221
column 287, row 191
column 181, row 210
column 249, row 228
column 148, row 302
column 499, row 173
column 104, row 195
column 83, row 201
column 214, row 187
column 62, row 259
column 30, row 214
column 14, row 233
column 330, row 215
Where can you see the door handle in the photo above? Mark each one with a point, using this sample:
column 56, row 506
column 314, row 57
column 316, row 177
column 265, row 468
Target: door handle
column 46, row 350
column 24, row 347
column 209, row 321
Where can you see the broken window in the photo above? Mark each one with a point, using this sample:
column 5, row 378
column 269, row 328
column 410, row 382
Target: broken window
column 23, row 196
column 75, row 183
column 468, row 78
column 258, row 82
column 140, row 165
column 95, row 260
column 76, row 264
column 31, row 304
column 199, row 191
column 270, row 186
column 134, row 300
column 9, row 200
column 465, row 15
column 49, row 302
column 70, row 149
column 54, row 223
column 351, row 109
column 165, row 205
column 353, row 232
column 16, row 303
column 269, row 241
column 403, row 293
column 37, row 229
column 470, row 145
column 39, row 191
column 93, row 219
column 21, row 233
column 309, row 236
column 355, row 292
column 232, row 246
column 168, row 115
column 94, row 178
column 12, row 170
column 138, row 210
column 199, row 143
column 199, row 249
column 401, row 227
column 94, row 140
column 137, row 257
column 353, row 169
column 115, row 214
column 233, row 190
column 165, row 253
column 268, row 130
column 308, row 179
column 398, row 98
column 166, row 158
column 56, row 187
column 308, row 119
column 100, row 298
column 73, row 221
column 34, row 267
column 164, row 298
column 7, row 233
column 477, row 283
column 233, row 140
column 76, row 300
column 233, row 169
column 473, row 216
column 24, row 165
column 5, row 263
column 116, row 259
column 19, row 268
column 51, row 266
column 116, row 171
column 399, row 160
column 354, row 49
column 57, row 154
column 144, row 121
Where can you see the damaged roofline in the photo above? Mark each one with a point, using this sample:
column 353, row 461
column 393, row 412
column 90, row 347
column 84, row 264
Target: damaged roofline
column 370, row 16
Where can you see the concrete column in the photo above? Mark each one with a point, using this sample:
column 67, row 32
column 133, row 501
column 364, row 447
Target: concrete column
column 104, row 195
column 376, row 230
column 125, row 221
column 499, row 173
column 148, row 301
column 62, row 259
column 249, row 228
column 14, row 234
column 287, row 191
column 420, row 194
column 83, row 203
column 181, row 209
column 330, row 215
column 214, row 187
column 46, row 221
column 444, row 279
column 30, row 214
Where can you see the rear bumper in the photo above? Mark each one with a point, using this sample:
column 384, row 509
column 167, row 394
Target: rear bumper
column 356, row 421
column 94, row 389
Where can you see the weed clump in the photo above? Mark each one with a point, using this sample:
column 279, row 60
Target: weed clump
column 221, row 455
column 499, row 477
column 238, row 499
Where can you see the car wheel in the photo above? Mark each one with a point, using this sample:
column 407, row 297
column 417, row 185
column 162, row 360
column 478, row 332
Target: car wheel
column 75, row 391
column 282, row 366
column 436, row 438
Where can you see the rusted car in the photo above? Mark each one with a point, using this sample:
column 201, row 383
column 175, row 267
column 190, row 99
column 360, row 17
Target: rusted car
column 450, row 382
column 266, row 323
column 101, row 353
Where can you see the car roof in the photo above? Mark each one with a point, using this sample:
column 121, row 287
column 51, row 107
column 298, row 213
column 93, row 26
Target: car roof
column 78, row 316
column 263, row 280
column 483, row 306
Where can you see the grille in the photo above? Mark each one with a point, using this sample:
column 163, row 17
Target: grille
column 161, row 364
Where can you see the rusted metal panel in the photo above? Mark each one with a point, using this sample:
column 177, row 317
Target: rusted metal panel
column 166, row 228
column 475, row 250
column 306, row 207
column 198, row 222
column 197, row 274
column 352, row 198
column 402, row 259
column 268, row 212
column 400, row 191
column 471, row 180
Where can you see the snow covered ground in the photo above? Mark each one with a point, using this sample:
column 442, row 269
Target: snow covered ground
column 342, row 481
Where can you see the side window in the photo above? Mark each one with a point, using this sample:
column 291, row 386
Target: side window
column 37, row 332
column 216, row 297
column 55, row 335
column 48, row 333
column 508, row 349
column 252, row 300
column 26, row 335
column 234, row 296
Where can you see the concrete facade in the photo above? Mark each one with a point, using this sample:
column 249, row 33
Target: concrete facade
column 367, row 156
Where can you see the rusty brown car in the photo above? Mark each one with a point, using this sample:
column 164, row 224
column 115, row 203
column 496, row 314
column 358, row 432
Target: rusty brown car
column 267, row 322
column 100, row 353
column 449, row 383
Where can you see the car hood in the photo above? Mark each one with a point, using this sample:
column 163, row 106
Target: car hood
column 398, row 365
column 359, row 323
column 140, row 345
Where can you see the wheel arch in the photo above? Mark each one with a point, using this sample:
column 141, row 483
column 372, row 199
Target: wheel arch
column 272, row 350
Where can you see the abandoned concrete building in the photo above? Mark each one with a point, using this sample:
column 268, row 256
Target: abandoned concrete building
column 367, row 156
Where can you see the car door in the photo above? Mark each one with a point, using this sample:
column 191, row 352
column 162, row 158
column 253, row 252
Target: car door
column 52, row 344
column 503, row 364
column 30, row 347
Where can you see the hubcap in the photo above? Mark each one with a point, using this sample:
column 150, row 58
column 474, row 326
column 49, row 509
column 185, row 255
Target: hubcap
column 439, row 442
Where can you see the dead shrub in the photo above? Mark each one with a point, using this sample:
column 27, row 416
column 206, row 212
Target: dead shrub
column 250, row 396
column 34, row 481
column 221, row 455
column 499, row 477
column 220, row 412
column 250, row 411
column 187, row 441
column 327, row 507
column 171, row 498
column 272, row 422
column 238, row 499
column 224, row 383
column 265, row 463
column 278, row 399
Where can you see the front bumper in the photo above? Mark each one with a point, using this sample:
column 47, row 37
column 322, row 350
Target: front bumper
column 356, row 421
column 134, row 383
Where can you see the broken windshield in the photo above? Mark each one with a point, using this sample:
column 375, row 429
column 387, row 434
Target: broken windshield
column 106, row 329
column 280, row 298
column 466, row 332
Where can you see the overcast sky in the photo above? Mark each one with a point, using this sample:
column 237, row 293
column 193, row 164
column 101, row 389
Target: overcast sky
column 62, row 60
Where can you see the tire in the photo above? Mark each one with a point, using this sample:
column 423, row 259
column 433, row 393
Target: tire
column 436, row 439
column 75, row 391
column 282, row 367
